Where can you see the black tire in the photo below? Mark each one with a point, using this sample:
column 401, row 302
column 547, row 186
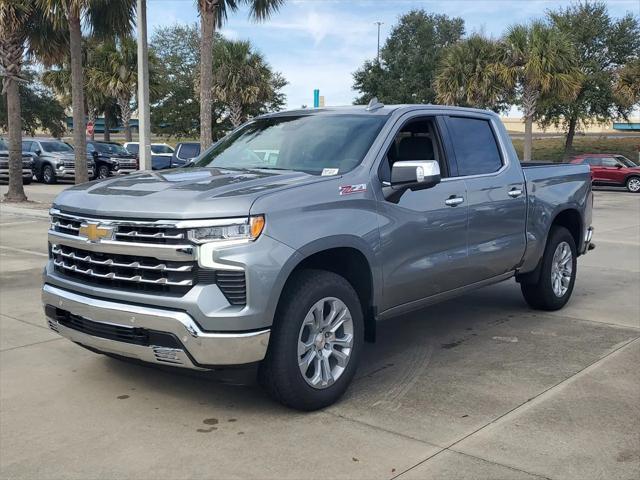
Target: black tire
column 633, row 184
column 26, row 180
column 48, row 175
column 102, row 172
column 279, row 373
column 540, row 295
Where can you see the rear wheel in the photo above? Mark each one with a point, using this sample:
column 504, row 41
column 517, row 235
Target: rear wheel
column 557, row 274
column 48, row 174
column 315, row 341
column 26, row 180
column 633, row 184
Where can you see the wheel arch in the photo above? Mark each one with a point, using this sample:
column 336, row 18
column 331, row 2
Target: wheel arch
column 347, row 257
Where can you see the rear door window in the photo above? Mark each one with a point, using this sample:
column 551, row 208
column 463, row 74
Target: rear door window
column 594, row 161
column 609, row 162
column 474, row 145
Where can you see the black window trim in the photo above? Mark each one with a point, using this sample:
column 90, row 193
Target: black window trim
column 504, row 157
column 443, row 151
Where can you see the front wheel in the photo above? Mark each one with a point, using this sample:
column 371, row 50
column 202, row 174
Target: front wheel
column 633, row 184
column 48, row 175
column 557, row 273
column 103, row 172
column 315, row 342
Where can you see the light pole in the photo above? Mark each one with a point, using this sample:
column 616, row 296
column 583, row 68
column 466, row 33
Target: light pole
column 144, row 122
column 378, row 24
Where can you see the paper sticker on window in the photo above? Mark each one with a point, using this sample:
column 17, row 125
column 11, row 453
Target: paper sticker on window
column 329, row 171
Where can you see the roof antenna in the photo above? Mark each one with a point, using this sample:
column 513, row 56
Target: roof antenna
column 374, row 104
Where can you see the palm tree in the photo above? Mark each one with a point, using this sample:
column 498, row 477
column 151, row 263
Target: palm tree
column 466, row 76
column 22, row 30
column 101, row 17
column 627, row 85
column 537, row 60
column 241, row 78
column 114, row 72
column 213, row 13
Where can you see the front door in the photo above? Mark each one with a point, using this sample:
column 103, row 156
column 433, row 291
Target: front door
column 423, row 246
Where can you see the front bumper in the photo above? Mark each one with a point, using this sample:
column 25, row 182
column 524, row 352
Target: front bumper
column 193, row 348
column 26, row 173
column 66, row 173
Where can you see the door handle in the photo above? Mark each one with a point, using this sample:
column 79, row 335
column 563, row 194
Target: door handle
column 515, row 192
column 452, row 201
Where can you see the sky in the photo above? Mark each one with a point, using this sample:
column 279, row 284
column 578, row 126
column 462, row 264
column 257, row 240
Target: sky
column 320, row 43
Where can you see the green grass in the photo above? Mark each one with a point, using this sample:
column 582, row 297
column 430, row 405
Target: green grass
column 552, row 149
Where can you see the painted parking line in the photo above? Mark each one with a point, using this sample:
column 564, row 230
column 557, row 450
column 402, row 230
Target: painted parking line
column 20, row 250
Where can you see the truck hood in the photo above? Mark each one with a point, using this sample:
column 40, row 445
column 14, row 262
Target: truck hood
column 178, row 193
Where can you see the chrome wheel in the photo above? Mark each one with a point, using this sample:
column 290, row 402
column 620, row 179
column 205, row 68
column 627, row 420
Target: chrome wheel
column 103, row 172
column 634, row 185
column 561, row 269
column 325, row 342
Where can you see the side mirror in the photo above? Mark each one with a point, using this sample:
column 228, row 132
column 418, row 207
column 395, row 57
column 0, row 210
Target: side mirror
column 38, row 152
column 618, row 165
column 411, row 175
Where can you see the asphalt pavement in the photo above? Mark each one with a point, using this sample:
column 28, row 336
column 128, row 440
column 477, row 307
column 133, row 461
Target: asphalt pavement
column 480, row 387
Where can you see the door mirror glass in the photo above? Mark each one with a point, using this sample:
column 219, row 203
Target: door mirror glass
column 415, row 174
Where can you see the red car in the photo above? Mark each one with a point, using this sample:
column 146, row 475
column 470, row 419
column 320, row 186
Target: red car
column 611, row 169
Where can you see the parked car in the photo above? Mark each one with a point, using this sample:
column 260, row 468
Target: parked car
column 54, row 159
column 27, row 164
column 161, row 154
column 611, row 169
column 111, row 158
column 368, row 213
column 184, row 153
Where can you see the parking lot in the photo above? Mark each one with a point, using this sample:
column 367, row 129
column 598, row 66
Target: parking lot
column 477, row 387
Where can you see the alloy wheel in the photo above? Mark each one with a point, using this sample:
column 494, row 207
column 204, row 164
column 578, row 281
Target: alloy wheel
column 561, row 269
column 325, row 342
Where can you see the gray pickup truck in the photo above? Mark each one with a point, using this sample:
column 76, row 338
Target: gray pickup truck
column 286, row 261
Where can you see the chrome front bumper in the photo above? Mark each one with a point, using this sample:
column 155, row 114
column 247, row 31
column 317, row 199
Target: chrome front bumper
column 588, row 244
column 67, row 173
column 199, row 350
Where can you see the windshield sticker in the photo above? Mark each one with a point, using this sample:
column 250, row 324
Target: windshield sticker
column 329, row 171
column 349, row 189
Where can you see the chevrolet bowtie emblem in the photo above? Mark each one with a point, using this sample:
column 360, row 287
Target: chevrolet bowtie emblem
column 94, row 232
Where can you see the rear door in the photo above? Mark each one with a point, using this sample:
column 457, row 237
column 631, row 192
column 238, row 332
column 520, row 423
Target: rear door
column 612, row 171
column 597, row 172
column 496, row 196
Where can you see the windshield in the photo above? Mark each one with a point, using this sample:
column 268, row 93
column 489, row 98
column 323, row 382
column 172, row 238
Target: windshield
column 3, row 145
column 54, row 147
column 314, row 144
column 625, row 161
column 111, row 148
column 159, row 148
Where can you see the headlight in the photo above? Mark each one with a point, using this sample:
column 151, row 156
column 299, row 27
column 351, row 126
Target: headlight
column 231, row 229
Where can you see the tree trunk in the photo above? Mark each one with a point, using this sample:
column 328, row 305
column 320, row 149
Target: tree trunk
column 207, row 27
column 235, row 113
column 528, row 138
column 107, row 126
column 16, row 189
column 568, row 144
column 77, row 99
column 125, row 111
column 93, row 115
column 529, row 102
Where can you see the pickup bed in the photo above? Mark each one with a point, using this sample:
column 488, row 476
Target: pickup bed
column 287, row 261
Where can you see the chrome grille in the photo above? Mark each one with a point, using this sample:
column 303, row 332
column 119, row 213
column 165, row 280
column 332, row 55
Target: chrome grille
column 124, row 231
column 123, row 271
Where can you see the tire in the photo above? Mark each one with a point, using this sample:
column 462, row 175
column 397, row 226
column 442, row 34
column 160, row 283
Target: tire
column 102, row 172
column 280, row 373
column 48, row 175
column 26, row 181
column 633, row 184
column 545, row 294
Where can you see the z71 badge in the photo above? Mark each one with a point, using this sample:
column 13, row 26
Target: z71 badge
column 349, row 189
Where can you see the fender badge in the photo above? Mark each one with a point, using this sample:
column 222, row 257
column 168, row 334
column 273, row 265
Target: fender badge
column 349, row 189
